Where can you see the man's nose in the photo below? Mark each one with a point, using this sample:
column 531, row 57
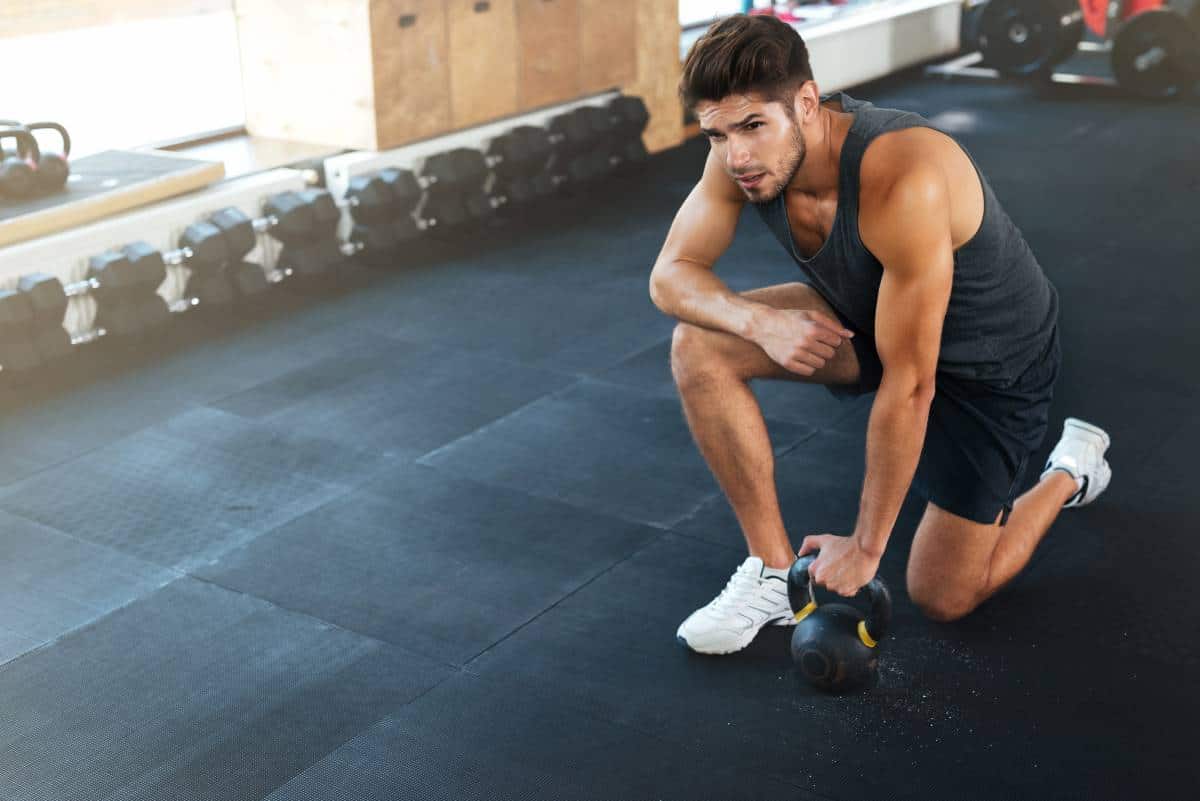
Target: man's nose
column 737, row 156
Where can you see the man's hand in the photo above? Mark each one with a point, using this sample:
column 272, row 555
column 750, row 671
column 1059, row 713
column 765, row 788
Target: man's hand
column 801, row 341
column 842, row 566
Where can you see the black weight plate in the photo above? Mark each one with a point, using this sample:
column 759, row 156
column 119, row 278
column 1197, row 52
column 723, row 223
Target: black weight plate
column 1029, row 37
column 1157, row 55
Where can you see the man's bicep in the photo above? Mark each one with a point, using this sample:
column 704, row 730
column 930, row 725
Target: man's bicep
column 908, row 323
column 911, row 237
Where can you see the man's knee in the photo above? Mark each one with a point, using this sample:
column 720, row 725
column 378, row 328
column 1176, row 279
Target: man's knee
column 939, row 601
column 694, row 357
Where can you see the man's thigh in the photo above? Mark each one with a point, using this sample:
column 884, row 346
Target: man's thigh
column 749, row 361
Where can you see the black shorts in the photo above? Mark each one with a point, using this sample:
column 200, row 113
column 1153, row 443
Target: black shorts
column 980, row 437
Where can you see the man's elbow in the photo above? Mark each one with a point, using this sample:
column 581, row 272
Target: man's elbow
column 921, row 391
column 659, row 295
column 914, row 388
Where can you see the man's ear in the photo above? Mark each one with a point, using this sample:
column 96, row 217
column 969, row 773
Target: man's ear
column 807, row 101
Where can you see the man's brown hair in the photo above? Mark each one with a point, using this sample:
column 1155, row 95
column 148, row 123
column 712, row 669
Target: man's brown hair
column 742, row 54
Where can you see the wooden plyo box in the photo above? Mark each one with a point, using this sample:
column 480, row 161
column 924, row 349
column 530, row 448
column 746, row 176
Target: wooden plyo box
column 376, row 74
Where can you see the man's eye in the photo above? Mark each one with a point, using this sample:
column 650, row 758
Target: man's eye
column 752, row 125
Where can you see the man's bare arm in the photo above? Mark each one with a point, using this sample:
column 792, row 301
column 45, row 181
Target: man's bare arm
column 908, row 229
column 684, row 286
column 682, row 283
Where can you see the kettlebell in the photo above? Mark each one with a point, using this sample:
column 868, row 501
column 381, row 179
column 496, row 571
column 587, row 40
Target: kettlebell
column 835, row 646
column 16, row 172
column 51, row 170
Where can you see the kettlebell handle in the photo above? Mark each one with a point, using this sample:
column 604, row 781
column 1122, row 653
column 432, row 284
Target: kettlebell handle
column 802, row 598
column 43, row 126
column 52, row 126
column 26, row 144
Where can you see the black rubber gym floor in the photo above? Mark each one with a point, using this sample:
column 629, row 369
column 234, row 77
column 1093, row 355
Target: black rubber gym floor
column 431, row 536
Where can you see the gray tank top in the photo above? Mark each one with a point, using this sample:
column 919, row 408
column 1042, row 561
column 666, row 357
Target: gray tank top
column 1003, row 310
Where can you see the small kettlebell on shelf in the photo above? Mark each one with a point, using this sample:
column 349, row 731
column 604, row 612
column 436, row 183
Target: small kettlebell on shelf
column 17, row 179
column 51, row 169
column 835, row 646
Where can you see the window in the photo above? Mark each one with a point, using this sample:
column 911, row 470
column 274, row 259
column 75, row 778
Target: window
column 127, row 84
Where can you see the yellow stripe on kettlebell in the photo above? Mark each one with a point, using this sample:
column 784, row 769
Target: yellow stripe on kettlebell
column 864, row 636
column 806, row 611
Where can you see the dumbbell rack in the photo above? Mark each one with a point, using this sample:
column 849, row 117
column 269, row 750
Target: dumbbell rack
column 341, row 169
column 66, row 254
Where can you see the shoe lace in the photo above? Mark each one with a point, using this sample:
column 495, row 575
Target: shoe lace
column 739, row 587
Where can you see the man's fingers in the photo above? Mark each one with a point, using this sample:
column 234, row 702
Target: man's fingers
column 810, row 544
column 830, row 323
column 804, row 363
column 820, row 335
column 822, row 350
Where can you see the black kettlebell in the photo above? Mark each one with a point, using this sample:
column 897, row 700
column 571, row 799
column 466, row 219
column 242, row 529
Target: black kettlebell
column 51, row 170
column 16, row 171
column 836, row 646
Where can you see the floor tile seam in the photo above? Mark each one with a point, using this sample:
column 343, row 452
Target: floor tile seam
column 92, row 543
column 473, row 433
column 178, row 573
column 591, row 510
column 275, row 605
column 652, row 541
column 96, row 620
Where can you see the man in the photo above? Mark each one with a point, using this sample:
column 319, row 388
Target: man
column 918, row 287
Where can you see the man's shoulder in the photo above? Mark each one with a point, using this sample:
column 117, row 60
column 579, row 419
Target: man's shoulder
column 902, row 156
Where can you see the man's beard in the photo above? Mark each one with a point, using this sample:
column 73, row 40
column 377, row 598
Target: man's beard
column 787, row 168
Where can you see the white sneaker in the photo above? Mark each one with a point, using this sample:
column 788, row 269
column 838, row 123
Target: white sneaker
column 754, row 597
column 1080, row 454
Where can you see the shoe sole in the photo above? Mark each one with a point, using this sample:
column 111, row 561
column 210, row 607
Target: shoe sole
column 1074, row 422
column 772, row 622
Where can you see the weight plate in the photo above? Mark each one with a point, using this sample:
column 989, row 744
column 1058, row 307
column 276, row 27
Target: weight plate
column 1157, row 55
column 1029, row 37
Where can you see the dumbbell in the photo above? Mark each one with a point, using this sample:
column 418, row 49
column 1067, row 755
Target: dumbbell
column 305, row 222
column 16, row 171
column 460, row 189
column 51, row 170
column 596, row 140
column 585, row 151
column 125, row 286
column 524, row 169
column 630, row 118
column 31, row 324
column 383, row 206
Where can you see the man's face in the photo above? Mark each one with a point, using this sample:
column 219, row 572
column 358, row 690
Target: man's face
column 760, row 143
